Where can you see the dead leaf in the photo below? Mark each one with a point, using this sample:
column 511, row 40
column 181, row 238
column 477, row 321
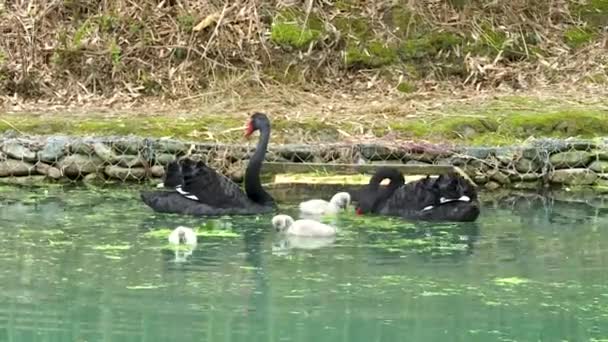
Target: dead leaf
column 208, row 21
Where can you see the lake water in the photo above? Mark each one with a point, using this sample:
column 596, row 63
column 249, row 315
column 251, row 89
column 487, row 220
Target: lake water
column 80, row 264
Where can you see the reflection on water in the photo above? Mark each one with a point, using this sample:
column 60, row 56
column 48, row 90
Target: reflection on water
column 81, row 265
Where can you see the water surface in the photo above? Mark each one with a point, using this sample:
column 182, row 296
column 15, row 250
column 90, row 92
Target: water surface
column 80, row 264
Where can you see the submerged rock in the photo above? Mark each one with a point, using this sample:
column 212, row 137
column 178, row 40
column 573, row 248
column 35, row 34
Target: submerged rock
column 77, row 164
column 17, row 151
column 579, row 176
column 11, row 167
column 570, row 159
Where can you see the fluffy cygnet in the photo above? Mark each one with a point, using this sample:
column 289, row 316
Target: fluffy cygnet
column 183, row 235
column 306, row 227
column 338, row 202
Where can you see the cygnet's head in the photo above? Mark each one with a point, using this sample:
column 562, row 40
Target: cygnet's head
column 341, row 200
column 182, row 236
column 282, row 222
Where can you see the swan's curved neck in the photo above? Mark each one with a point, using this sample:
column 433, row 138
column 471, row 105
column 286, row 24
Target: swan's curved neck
column 253, row 185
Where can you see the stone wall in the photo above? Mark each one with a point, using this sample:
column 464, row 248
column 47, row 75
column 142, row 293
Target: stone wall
column 533, row 165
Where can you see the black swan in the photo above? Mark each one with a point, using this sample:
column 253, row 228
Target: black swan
column 372, row 196
column 446, row 198
column 198, row 190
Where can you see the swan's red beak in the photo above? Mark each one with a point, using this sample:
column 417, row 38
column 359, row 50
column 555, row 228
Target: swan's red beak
column 358, row 211
column 249, row 129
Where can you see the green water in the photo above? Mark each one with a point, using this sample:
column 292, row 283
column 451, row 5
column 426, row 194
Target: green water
column 80, row 265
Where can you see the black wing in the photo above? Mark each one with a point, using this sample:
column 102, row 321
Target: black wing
column 173, row 202
column 205, row 185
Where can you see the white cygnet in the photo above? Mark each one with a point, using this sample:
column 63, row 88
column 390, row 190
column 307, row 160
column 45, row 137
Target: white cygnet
column 183, row 235
column 306, row 227
column 338, row 202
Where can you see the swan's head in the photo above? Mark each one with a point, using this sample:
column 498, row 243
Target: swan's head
column 282, row 222
column 341, row 200
column 256, row 121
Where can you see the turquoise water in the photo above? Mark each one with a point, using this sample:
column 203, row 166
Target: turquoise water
column 80, row 264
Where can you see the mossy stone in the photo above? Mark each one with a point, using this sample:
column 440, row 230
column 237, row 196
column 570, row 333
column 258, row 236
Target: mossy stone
column 11, row 167
column 600, row 166
column 579, row 176
column 570, row 159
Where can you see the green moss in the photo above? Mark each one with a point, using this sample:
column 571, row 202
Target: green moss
column 595, row 12
column 507, row 121
column 577, row 36
column 115, row 53
column 560, row 124
column 285, row 72
column 345, row 5
column 135, row 27
column 107, row 22
column 354, row 29
column 292, row 34
column 429, row 45
column 401, row 21
column 3, row 57
column 293, row 29
column 492, row 41
column 458, row 4
column 186, row 21
column 406, row 87
column 375, row 54
column 410, row 128
column 82, row 32
column 465, row 126
column 495, row 39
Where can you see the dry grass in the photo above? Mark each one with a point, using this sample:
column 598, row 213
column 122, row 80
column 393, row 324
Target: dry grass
column 116, row 52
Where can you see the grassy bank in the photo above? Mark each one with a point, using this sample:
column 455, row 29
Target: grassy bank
column 476, row 120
